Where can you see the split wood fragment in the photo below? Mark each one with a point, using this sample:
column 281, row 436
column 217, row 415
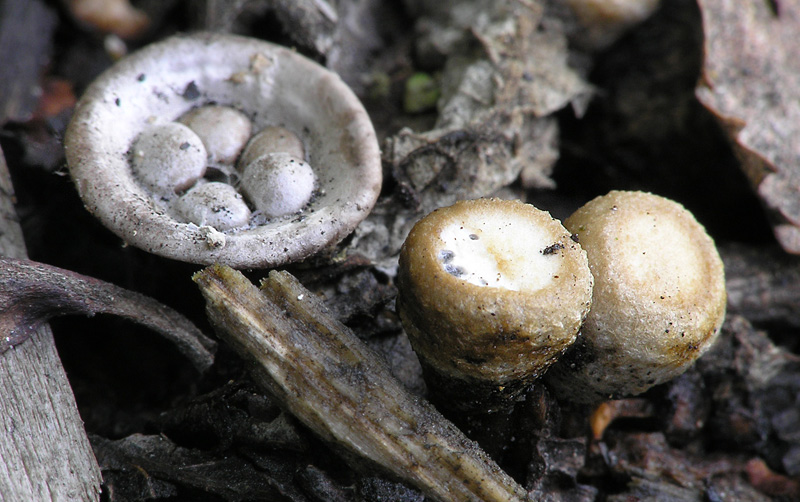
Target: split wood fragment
column 338, row 387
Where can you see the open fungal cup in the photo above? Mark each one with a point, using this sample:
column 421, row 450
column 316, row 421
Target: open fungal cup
column 223, row 89
column 658, row 302
column 491, row 293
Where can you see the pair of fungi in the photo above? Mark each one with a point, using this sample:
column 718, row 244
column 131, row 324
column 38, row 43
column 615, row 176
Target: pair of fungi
column 627, row 294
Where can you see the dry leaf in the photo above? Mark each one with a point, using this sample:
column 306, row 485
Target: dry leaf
column 751, row 83
column 495, row 113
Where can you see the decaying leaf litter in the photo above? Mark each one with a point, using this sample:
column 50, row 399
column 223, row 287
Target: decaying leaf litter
column 555, row 135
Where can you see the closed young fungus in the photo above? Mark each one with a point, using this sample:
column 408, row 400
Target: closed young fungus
column 272, row 139
column 224, row 131
column 658, row 301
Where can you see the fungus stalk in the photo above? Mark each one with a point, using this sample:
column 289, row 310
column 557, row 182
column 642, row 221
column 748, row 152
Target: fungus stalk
column 491, row 293
column 658, row 302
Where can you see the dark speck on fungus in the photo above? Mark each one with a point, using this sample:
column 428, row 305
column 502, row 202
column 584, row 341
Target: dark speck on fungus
column 551, row 249
column 191, row 92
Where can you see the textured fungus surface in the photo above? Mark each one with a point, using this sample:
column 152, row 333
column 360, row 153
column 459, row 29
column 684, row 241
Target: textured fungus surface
column 658, row 301
column 491, row 293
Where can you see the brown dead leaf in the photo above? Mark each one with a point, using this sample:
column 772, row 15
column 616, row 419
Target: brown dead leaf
column 751, row 83
column 57, row 97
column 495, row 115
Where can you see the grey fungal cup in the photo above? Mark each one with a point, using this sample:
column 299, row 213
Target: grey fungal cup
column 271, row 86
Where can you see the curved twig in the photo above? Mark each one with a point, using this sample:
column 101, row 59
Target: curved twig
column 32, row 292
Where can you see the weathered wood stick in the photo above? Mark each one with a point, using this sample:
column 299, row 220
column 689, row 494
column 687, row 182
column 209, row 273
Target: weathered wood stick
column 337, row 386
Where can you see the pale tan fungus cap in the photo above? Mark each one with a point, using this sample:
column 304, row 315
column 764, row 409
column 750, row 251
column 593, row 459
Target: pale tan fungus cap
column 659, row 297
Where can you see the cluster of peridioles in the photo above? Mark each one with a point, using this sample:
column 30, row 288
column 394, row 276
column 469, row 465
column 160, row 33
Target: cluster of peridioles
column 172, row 161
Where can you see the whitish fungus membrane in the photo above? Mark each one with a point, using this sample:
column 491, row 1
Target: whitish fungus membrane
column 213, row 204
column 278, row 184
column 491, row 292
column 168, row 158
column 492, row 252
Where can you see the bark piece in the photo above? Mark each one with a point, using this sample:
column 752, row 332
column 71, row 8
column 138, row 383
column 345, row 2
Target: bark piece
column 754, row 392
column 31, row 293
column 233, row 416
column 345, row 35
column 44, row 450
column 161, row 464
column 763, row 284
